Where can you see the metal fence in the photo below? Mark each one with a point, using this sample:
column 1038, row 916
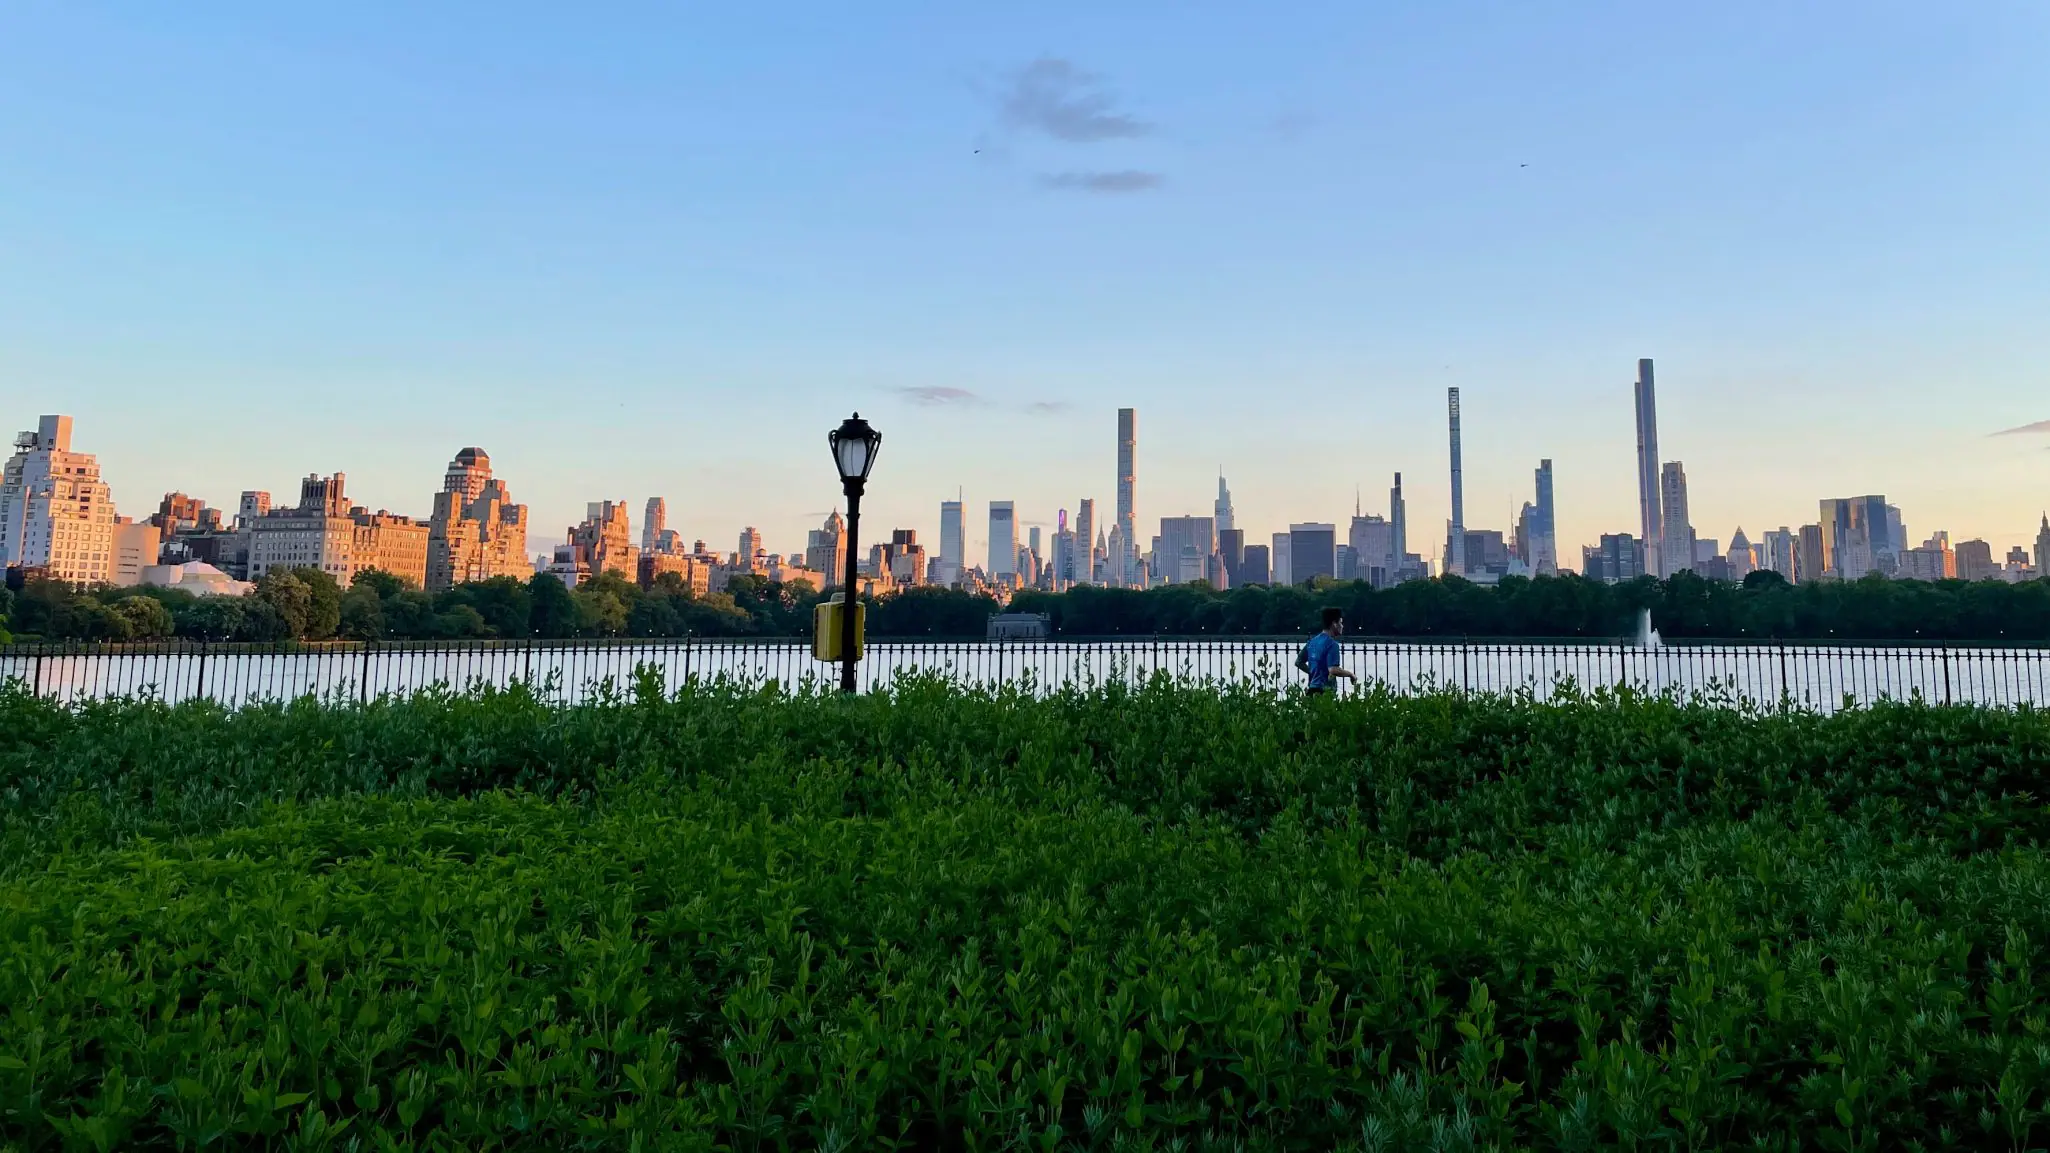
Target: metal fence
column 1809, row 676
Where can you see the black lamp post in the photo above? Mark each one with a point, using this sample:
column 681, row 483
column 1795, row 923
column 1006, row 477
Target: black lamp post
column 854, row 446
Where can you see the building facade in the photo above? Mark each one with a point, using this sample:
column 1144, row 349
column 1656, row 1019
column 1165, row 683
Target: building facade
column 1003, row 543
column 55, row 511
column 1650, row 497
column 1676, row 545
column 476, row 532
column 324, row 531
column 1126, row 566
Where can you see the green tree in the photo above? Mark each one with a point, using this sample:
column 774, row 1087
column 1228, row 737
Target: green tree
column 289, row 597
column 146, row 617
column 504, row 603
column 552, row 611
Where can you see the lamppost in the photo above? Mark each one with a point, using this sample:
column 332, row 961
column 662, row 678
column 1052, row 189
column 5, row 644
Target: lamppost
column 854, row 446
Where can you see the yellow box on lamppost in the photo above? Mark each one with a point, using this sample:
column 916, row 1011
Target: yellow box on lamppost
column 827, row 628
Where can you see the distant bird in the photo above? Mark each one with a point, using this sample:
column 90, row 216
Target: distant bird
column 1523, row 166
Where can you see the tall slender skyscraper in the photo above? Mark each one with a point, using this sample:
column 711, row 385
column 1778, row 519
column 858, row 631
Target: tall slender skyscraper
column 1398, row 518
column 1676, row 548
column 1650, row 524
column 1085, row 542
column 1128, row 448
column 654, row 523
column 1003, row 541
column 953, row 552
column 1455, row 533
column 1222, row 509
column 1544, row 542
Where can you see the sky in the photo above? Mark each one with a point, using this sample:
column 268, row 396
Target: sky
column 642, row 249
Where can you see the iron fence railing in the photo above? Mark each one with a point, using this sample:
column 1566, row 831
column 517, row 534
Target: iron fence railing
column 1802, row 675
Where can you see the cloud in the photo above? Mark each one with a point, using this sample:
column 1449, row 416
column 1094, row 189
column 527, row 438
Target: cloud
column 2040, row 428
column 932, row 395
column 1052, row 96
column 1127, row 180
column 1048, row 407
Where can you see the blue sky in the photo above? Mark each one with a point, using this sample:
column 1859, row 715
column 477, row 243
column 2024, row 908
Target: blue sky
column 639, row 249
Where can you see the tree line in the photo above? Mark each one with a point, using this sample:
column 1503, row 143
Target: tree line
column 307, row 604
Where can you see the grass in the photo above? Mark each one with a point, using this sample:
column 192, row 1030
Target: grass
column 728, row 918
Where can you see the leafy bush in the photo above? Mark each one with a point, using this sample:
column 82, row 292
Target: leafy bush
column 731, row 917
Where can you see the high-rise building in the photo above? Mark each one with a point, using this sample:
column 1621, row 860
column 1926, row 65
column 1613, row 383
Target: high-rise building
column 1808, row 562
column 1676, row 550
column 905, row 558
column 1223, row 513
column 1858, row 536
column 476, row 531
column 953, row 544
column 654, row 523
column 1254, row 565
column 1186, row 543
column 1372, row 541
column 1032, row 546
column 1003, row 542
column 326, row 532
column 825, row 551
column 745, row 551
column 1617, row 558
column 1741, row 558
column 1117, row 558
column 184, row 514
column 55, row 511
column 2043, row 548
column 1651, row 521
column 1231, row 554
column 1280, row 572
column 1975, row 561
column 1455, row 529
column 1312, row 552
column 1128, row 482
column 1085, row 542
column 1779, row 547
column 1934, row 561
column 1544, row 541
column 1398, row 521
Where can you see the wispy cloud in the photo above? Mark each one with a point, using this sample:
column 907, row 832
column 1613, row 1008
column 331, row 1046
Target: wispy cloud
column 934, row 396
column 1048, row 407
column 1053, row 96
column 1128, row 180
column 2040, row 428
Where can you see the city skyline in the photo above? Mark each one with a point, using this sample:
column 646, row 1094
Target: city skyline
column 1851, row 537
column 667, row 264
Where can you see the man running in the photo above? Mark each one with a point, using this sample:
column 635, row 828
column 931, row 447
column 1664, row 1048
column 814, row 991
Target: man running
column 1320, row 656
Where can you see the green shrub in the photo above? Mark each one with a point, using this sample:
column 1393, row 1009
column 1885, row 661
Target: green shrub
column 732, row 917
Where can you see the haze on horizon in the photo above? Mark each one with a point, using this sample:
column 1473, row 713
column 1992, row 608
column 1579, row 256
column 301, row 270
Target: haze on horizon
column 660, row 252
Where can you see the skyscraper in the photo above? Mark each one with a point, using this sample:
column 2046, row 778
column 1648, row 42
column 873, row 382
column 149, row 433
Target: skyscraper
column 1312, row 552
column 476, row 532
column 1186, row 543
column 825, row 551
column 1779, row 546
column 654, row 523
column 1808, row 563
column 1676, row 550
column 1859, row 536
column 1128, row 448
column 1278, row 561
column 1003, row 541
column 750, row 545
column 953, row 552
column 1254, row 567
column 1231, row 551
column 2043, row 549
column 1455, row 532
column 55, row 511
column 1398, row 520
column 1544, row 539
column 1651, row 527
column 1222, row 509
column 1085, row 542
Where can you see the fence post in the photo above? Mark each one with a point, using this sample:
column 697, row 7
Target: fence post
column 363, row 677
column 1786, row 689
column 1466, row 664
column 1946, row 674
column 36, row 685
